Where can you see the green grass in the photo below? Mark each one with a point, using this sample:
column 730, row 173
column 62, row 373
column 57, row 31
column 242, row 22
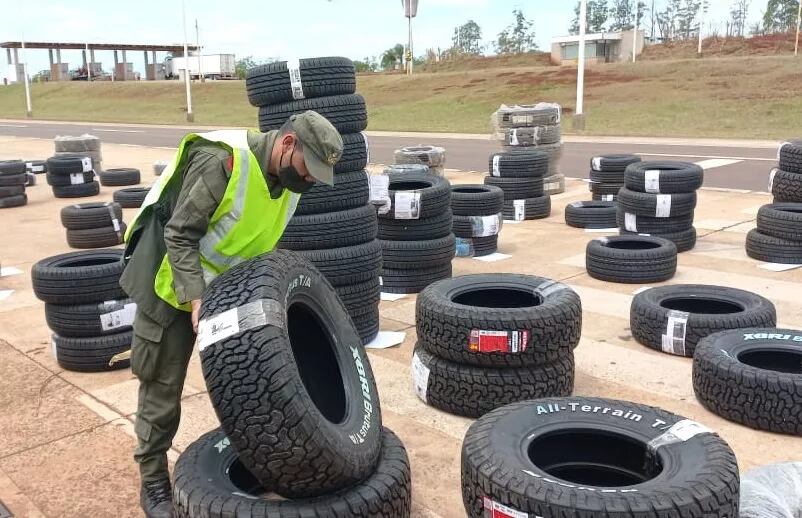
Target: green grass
column 744, row 97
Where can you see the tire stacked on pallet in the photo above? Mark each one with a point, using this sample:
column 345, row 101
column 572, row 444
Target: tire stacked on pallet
column 72, row 176
column 13, row 180
column 416, row 237
column 658, row 199
column 607, row 175
column 534, row 128
column 87, row 311
column 82, row 146
column 488, row 340
column 520, row 177
column 301, row 418
column 785, row 182
column 432, row 157
column 334, row 226
column 478, row 218
column 93, row 225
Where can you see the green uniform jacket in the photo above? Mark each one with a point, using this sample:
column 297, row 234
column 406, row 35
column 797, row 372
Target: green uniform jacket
column 179, row 220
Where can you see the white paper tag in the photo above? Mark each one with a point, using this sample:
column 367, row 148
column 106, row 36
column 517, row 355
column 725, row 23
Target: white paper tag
column 608, row 197
column 28, row 165
column 116, row 224
column 595, row 164
column 514, row 137
column 663, row 209
column 121, row 318
column 420, row 377
column 496, row 160
column 379, row 187
column 522, row 119
column 681, row 431
column 520, row 209
column 673, row 341
column 53, row 348
column 86, row 163
column 407, row 205
column 77, row 178
column 630, row 222
column 485, row 226
column 652, row 181
column 37, row 168
column 551, row 186
column 772, row 174
column 219, row 327
column 494, row 509
column 367, row 146
column 294, row 70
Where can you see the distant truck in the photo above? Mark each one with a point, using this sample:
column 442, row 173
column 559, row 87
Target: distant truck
column 213, row 66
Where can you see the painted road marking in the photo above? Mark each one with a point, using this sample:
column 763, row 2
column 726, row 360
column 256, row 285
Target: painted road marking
column 738, row 158
column 716, row 162
column 117, row 130
column 12, row 126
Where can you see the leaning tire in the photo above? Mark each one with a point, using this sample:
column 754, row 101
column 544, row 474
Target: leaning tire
column 303, row 411
column 97, row 354
column 119, row 177
column 330, row 230
column 593, row 457
column 347, row 113
column 673, row 319
column 79, row 277
column 591, row 214
column 773, row 249
column 350, row 190
column 90, row 215
column 131, row 198
column 631, row 259
column 319, row 77
column 472, row 391
column 210, row 478
column 77, row 191
column 664, row 177
column 499, row 320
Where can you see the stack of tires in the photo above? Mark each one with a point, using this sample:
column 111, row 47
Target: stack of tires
column 13, row 180
column 785, row 182
column 86, row 309
column 333, row 227
column 417, row 242
column 93, row 225
column 478, row 218
column 131, row 197
column 607, row 175
column 301, row 418
column 72, row 176
column 119, row 177
column 520, row 177
column 82, row 146
column 488, row 340
column 530, row 128
column 432, row 157
column 658, row 199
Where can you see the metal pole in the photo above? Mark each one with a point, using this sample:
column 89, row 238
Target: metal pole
column 798, row 23
column 190, row 115
column 29, row 112
column 701, row 23
column 89, row 66
column 410, row 55
column 579, row 116
column 635, row 32
column 197, row 44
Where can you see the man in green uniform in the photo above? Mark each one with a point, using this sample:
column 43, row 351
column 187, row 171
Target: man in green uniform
column 225, row 198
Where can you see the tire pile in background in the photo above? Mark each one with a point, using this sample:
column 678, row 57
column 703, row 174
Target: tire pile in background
column 72, row 176
column 432, row 157
column 778, row 236
column 13, row 180
column 93, row 225
column 120, row 177
column 520, row 177
column 82, row 146
column 333, row 227
column 478, row 218
column 488, row 340
column 86, row 309
column 658, row 199
column 527, row 128
column 417, row 243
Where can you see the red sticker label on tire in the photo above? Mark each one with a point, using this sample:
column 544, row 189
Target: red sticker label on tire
column 483, row 341
column 497, row 510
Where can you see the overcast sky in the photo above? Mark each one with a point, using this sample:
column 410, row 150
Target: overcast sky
column 273, row 29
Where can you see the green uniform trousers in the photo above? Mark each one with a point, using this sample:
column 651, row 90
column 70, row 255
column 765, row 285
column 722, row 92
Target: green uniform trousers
column 159, row 358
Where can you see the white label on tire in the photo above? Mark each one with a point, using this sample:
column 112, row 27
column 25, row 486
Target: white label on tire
column 679, row 432
column 407, row 205
column 485, row 226
column 294, row 70
column 630, row 222
column 121, row 318
column 596, row 163
column 652, row 181
column 608, row 197
column 551, row 186
column 257, row 313
column 379, row 192
column 496, row 160
column 663, row 209
column 520, row 209
column 494, row 509
column 53, row 348
column 116, row 224
column 673, row 340
column 514, row 137
column 367, row 147
column 86, row 163
column 37, row 168
column 771, row 179
column 523, row 119
column 420, row 377
column 77, row 178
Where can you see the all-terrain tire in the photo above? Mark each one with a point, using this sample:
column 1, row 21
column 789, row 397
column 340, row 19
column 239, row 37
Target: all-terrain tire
column 96, row 354
column 773, row 249
column 79, row 277
column 118, row 177
column 476, row 200
column 527, row 209
column 131, row 198
column 591, row 214
column 350, row 190
column 656, row 205
column 347, row 113
column 319, row 77
column 77, row 191
column 518, row 165
column 785, row 186
column 410, row 255
column 90, row 215
column 517, row 188
column 407, row 281
column 790, row 156
column 330, row 230
column 631, row 259
column 664, row 177
column 423, row 229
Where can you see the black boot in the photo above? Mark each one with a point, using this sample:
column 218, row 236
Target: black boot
column 156, row 498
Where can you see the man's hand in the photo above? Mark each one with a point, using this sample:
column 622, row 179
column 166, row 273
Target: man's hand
column 196, row 304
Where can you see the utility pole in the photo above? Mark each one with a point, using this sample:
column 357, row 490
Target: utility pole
column 190, row 115
column 635, row 32
column 89, row 66
column 29, row 109
column 701, row 24
column 197, row 44
column 410, row 11
column 579, row 116
column 798, row 23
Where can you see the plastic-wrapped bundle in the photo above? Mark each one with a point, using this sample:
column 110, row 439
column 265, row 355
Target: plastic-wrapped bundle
column 773, row 491
column 526, row 116
column 72, row 144
column 432, row 156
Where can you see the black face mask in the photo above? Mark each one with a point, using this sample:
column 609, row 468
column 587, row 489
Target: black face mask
column 290, row 179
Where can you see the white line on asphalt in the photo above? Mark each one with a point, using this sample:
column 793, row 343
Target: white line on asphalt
column 716, row 162
column 12, row 126
column 710, row 156
column 117, row 131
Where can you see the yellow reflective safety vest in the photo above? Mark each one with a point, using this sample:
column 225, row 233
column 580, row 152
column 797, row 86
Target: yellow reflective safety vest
column 247, row 223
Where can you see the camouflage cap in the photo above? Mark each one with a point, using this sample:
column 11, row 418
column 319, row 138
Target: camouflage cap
column 323, row 145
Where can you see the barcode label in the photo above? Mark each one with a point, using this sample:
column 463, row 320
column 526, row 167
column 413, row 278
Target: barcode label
column 673, row 341
column 652, row 181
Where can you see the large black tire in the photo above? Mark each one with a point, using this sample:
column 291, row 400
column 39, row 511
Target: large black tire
column 606, row 187
column 684, row 240
column 518, row 165
column 527, row 209
column 650, row 225
column 669, row 177
column 656, row 205
column 499, row 320
column 350, row 190
column 752, row 377
column 347, row 265
column 302, row 410
column 62, row 180
column 412, row 280
column 77, row 191
column 210, row 480
column 674, row 318
column 790, row 156
column 410, row 255
column 527, row 115
column 422, row 229
column 472, row 391
column 79, row 277
column 12, row 190
column 131, row 198
column 90, row 215
column 785, row 186
column 591, row 214
column 773, row 249
column 90, row 320
column 358, row 296
column 613, row 163
column 12, row 167
column 517, row 188
column 67, row 164
column 532, row 136
column 355, row 153
column 13, row 201
column 12, row 180
column 631, row 259
column 476, row 246
column 477, row 226
column 119, row 177
column 101, row 237
column 97, row 354
column 319, row 77
column 476, row 200
column 435, row 193
column 781, row 220
column 600, row 458
column 330, row 230
column 347, row 113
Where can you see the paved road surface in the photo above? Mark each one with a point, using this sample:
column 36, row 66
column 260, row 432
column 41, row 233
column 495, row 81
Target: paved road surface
column 730, row 167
